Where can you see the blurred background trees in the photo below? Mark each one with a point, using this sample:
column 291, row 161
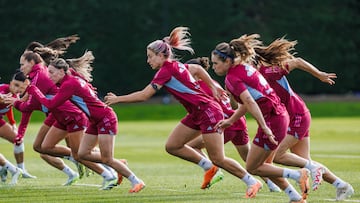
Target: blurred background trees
column 118, row 31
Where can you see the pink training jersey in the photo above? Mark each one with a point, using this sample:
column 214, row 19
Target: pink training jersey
column 226, row 107
column 4, row 89
column 178, row 81
column 204, row 112
column 79, row 92
column 299, row 113
column 39, row 77
column 4, row 109
column 246, row 77
column 277, row 80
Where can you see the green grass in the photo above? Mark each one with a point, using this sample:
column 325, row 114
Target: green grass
column 145, row 111
column 335, row 143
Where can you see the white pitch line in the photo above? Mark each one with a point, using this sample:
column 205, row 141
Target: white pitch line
column 84, row 184
column 346, row 200
column 336, row 156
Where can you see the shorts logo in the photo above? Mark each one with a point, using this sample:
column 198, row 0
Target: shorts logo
column 102, row 129
column 209, row 128
column 256, row 139
column 76, row 127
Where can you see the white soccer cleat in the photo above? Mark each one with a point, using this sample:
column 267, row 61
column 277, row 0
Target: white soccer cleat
column 28, row 175
column 109, row 184
column 3, row 175
column 344, row 192
column 15, row 176
column 72, row 179
column 317, row 177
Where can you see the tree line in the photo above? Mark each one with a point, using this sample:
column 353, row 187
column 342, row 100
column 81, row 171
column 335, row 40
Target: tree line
column 118, row 32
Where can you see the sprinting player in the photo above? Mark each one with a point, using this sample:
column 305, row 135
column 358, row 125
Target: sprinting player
column 249, row 88
column 9, row 131
column 237, row 133
column 69, row 123
column 275, row 62
column 49, row 52
column 8, row 166
column 102, row 120
column 203, row 111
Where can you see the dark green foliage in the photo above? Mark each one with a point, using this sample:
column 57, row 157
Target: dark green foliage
column 119, row 31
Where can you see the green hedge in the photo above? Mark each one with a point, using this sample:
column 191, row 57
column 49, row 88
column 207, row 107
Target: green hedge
column 176, row 111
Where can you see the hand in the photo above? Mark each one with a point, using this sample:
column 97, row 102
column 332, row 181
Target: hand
column 223, row 124
column 327, row 77
column 18, row 140
column 267, row 131
column 110, row 98
column 8, row 99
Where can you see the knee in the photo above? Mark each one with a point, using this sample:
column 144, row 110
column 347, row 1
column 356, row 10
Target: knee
column 81, row 154
column 75, row 156
column 107, row 160
column 217, row 160
column 253, row 170
column 37, row 148
column 171, row 149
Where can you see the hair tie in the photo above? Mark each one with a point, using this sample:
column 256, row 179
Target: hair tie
column 223, row 55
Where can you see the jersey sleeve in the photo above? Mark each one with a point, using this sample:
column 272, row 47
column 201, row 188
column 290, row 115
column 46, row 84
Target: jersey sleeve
column 25, row 118
column 63, row 94
column 161, row 77
column 10, row 116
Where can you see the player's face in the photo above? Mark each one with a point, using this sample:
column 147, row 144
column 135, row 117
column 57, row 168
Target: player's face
column 220, row 67
column 56, row 75
column 155, row 60
column 18, row 87
column 26, row 66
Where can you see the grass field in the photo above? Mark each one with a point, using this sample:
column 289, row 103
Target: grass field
column 335, row 143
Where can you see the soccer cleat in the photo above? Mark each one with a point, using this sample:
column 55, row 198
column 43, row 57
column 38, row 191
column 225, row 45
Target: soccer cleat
column 88, row 172
column 137, row 187
column 72, row 179
column 15, row 176
column 109, row 184
column 304, row 182
column 3, row 174
column 120, row 177
column 28, row 175
column 344, row 192
column 252, row 190
column 217, row 178
column 81, row 169
column 316, row 176
column 209, row 174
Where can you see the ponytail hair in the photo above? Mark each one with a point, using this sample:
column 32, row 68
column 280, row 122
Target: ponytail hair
column 277, row 52
column 53, row 49
column 178, row 39
column 202, row 61
column 62, row 43
column 244, row 47
column 82, row 65
column 48, row 54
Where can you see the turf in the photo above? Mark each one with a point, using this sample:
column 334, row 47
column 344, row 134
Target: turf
column 335, row 143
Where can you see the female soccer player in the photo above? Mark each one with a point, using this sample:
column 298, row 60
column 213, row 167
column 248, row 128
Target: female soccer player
column 249, row 88
column 102, row 120
column 275, row 62
column 8, row 131
column 203, row 111
column 70, row 122
column 237, row 133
